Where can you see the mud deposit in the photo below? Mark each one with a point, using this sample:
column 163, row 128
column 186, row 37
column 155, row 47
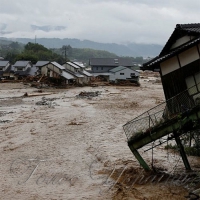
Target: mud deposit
column 75, row 148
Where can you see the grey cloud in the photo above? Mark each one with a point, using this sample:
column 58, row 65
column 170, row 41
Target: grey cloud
column 99, row 20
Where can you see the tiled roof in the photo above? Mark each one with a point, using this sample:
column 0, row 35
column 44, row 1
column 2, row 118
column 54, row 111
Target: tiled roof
column 180, row 30
column 159, row 59
column 3, row 63
column 21, row 63
column 76, row 74
column 67, row 75
column 127, row 62
column 86, row 73
column 58, row 65
column 189, row 27
column 79, row 64
column 116, row 69
column 73, row 65
column 41, row 63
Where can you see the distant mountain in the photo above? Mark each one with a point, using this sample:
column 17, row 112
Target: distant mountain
column 130, row 49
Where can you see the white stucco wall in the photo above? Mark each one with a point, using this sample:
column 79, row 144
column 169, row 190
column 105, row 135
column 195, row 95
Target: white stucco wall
column 44, row 70
column 69, row 67
column 54, row 68
column 127, row 74
column 181, row 41
column 188, row 56
column 169, row 65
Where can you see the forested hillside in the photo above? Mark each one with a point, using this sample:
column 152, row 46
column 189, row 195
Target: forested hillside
column 14, row 51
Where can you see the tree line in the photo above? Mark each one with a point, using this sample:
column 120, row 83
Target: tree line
column 34, row 52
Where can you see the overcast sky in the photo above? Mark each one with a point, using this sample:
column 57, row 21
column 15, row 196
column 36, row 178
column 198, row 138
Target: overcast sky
column 108, row 21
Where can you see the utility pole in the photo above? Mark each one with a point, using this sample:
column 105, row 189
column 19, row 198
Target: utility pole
column 65, row 53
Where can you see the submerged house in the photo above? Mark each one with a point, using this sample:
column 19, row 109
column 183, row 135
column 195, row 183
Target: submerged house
column 123, row 73
column 179, row 67
column 102, row 65
column 77, row 70
column 56, row 71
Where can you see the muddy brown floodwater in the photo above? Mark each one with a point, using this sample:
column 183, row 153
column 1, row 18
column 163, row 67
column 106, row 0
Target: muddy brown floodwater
column 71, row 147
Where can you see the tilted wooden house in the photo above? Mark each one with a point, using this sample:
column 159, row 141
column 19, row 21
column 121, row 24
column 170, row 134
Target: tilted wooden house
column 41, row 64
column 179, row 67
column 179, row 61
column 56, row 71
column 82, row 77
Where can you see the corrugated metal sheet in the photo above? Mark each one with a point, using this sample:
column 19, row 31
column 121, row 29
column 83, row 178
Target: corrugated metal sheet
column 127, row 62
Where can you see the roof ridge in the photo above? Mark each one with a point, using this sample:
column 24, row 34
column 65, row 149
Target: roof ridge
column 194, row 25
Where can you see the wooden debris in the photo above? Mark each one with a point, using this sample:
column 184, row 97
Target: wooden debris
column 36, row 94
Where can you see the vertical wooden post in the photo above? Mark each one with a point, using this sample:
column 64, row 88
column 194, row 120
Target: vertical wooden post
column 182, row 152
column 139, row 158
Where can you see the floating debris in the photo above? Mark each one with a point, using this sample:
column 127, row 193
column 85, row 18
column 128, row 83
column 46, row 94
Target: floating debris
column 47, row 101
column 5, row 121
column 89, row 94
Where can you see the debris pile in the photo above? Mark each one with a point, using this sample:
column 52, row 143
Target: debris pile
column 3, row 113
column 47, row 101
column 89, row 94
column 5, row 121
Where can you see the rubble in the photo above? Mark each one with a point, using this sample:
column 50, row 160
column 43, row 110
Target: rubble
column 5, row 121
column 48, row 102
column 89, row 94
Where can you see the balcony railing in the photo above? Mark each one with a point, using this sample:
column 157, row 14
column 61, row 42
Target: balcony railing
column 172, row 108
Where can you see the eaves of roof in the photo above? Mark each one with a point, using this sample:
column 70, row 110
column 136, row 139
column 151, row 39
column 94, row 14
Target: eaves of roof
column 180, row 31
column 150, row 64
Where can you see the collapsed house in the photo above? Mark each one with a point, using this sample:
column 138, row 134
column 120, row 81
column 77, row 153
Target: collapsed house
column 57, row 72
column 123, row 73
column 179, row 67
column 77, row 70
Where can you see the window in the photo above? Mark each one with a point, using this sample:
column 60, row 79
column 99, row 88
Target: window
column 116, row 61
column 1, row 68
column 97, row 68
column 132, row 74
column 191, row 82
column 101, row 68
column 121, row 73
